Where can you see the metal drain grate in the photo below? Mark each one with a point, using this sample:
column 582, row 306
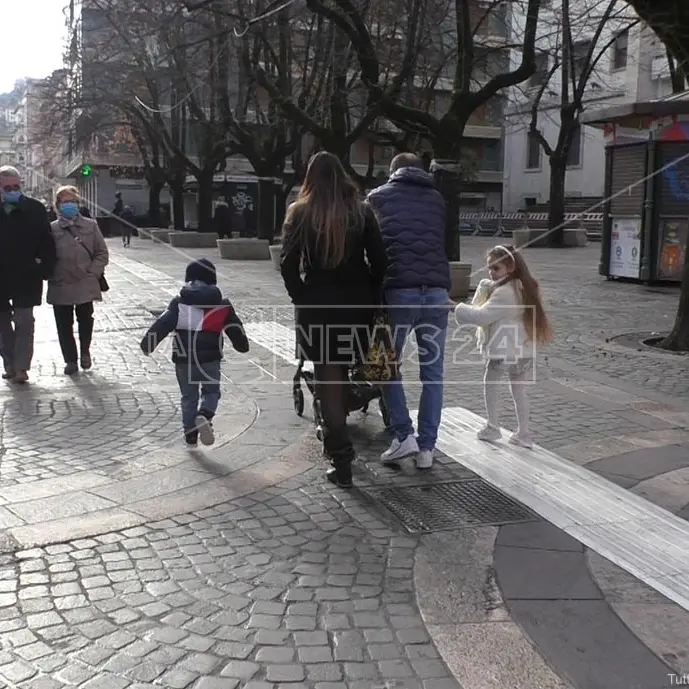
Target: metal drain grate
column 450, row 505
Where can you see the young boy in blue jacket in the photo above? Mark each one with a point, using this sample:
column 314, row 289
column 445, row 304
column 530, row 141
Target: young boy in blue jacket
column 198, row 316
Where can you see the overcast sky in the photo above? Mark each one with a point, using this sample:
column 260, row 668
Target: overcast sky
column 32, row 39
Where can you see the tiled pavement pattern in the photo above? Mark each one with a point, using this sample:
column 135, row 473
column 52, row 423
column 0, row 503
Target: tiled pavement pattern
column 288, row 588
column 291, row 586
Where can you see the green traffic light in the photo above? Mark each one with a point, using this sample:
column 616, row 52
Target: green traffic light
column 85, row 170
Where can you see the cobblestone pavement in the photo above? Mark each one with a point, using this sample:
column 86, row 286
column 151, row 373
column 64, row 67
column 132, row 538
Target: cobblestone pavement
column 292, row 584
column 286, row 588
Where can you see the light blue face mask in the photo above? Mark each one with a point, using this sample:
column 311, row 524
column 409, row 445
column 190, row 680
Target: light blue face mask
column 69, row 209
column 11, row 196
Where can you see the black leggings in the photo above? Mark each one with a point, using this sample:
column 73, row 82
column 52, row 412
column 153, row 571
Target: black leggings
column 64, row 320
column 332, row 382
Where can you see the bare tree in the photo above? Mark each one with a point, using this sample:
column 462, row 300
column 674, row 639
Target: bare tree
column 479, row 72
column 574, row 45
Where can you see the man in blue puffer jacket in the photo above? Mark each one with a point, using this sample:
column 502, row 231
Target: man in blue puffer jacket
column 411, row 212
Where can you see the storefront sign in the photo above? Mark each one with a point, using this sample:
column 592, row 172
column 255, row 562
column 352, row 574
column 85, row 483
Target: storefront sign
column 672, row 247
column 625, row 248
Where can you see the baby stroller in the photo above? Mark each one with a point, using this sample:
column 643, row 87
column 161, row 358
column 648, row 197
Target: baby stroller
column 360, row 394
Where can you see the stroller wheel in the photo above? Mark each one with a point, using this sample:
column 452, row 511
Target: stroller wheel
column 298, row 400
column 384, row 412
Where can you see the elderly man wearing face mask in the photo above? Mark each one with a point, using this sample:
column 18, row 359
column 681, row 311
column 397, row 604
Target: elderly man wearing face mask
column 27, row 257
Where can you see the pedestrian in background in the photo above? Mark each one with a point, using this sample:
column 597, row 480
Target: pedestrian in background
column 509, row 314
column 76, row 283
column 27, row 257
column 411, row 212
column 198, row 316
column 127, row 219
column 222, row 218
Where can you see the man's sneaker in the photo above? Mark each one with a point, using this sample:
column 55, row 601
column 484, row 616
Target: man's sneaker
column 489, row 433
column 522, row 439
column 191, row 438
column 20, row 377
column 205, row 429
column 86, row 361
column 8, row 375
column 71, row 368
column 424, row 460
column 398, row 450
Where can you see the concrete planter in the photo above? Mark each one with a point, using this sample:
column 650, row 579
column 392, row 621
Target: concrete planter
column 275, row 251
column 193, row 240
column 527, row 237
column 160, row 235
column 460, row 279
column 246, row 249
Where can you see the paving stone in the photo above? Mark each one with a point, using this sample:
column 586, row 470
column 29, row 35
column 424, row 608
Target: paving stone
column 273, row 654
column 285, row 673
column 240, row 669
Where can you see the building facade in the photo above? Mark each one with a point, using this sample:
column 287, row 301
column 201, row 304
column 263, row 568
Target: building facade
column 630, row 65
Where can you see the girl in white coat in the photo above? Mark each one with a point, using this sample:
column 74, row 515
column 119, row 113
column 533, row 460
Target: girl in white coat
column 511, row 320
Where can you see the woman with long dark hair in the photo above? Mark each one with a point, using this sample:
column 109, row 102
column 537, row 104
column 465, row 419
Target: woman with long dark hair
column 332, row 235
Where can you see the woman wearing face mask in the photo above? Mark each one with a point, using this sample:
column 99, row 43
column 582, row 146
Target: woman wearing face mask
column 81, row 259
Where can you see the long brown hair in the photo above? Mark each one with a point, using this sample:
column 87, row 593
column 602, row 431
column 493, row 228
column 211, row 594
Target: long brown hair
column 535, row 321
column 327, row 204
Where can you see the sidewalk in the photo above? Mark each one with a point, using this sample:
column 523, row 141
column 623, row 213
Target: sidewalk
column 240, row 567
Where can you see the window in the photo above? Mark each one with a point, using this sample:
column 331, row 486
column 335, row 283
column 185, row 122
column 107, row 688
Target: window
column 541, row 74
column 574, row 155
column 533, row 152
column 620, row 50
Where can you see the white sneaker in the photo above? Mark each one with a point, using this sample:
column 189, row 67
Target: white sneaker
column 522, row 439
column 398, row 450
column 489, row 433
column 205, row 429
column 424, row 460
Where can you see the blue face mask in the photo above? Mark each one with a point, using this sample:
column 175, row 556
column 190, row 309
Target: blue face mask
column 11, row 196
column 69, row 209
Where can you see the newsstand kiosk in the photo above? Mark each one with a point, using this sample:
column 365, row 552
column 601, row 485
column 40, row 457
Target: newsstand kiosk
column 646, row 214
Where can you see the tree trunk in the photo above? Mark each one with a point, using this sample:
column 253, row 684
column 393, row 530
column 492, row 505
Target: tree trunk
column 678, row 339
column 281, row 193
column 154, row 191
column 205, row 200
column 445, row 168
column 556, row 214
column 177, row 190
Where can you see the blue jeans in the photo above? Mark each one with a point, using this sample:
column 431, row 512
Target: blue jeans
column 425, row 310
column 195, row 378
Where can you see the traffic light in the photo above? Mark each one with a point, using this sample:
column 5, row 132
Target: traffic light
column 86, row 170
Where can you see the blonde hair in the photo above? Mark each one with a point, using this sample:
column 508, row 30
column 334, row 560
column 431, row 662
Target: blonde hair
column 67, row 189
column 535, row 321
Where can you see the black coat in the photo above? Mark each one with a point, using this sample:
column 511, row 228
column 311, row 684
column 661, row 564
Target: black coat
column 27, row 253
column 335, row 306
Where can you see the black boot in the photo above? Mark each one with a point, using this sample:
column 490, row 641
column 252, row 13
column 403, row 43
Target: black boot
column 340, row 451
column 85, row 328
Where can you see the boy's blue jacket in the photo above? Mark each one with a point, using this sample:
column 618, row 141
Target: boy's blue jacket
column 199, row 316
